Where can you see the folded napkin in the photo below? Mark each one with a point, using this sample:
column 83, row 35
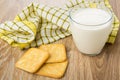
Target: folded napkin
column 40, row 24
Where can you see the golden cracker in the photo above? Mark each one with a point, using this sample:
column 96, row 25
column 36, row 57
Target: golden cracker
column 32, row 60
column 57, row 52
column 54, row 70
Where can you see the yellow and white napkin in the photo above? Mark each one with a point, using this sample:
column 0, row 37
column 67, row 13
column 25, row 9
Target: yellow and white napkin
column 40, row 24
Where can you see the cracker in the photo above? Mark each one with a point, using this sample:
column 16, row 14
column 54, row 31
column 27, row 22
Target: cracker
column 57, row 52
column 32, row 60
column 54, row 70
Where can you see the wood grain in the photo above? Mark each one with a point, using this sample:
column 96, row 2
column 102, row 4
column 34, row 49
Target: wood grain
column 105, row 66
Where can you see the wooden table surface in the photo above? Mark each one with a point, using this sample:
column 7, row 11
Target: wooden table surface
column 105, row 66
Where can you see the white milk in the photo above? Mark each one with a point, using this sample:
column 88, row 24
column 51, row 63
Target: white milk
column 90, row 29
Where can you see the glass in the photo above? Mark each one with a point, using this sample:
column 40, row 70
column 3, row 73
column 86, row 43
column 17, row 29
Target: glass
column 90, row 28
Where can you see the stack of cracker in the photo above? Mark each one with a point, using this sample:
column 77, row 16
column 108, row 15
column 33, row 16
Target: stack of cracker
column 47, row 60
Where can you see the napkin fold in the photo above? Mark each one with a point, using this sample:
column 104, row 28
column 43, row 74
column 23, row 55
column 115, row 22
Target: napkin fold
column 40, row 24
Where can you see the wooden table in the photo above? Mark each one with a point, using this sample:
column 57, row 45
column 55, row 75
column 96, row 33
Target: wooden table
column 105, row 66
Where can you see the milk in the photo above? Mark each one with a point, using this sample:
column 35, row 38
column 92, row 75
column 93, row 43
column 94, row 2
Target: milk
column 90, row 29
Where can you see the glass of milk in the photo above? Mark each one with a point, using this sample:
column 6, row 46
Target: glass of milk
column 90, row 28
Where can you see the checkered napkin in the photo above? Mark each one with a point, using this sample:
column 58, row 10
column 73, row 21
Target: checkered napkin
column 40, row 24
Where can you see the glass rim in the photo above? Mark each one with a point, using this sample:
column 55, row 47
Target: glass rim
column 111, row 16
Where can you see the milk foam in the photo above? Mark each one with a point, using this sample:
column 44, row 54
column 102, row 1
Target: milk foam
column 91, row 16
